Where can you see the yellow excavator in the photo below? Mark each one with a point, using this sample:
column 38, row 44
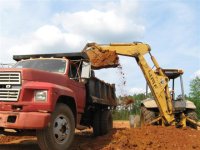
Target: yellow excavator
column 164, row 109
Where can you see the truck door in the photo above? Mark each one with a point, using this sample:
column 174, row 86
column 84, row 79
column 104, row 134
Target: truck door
column 76, row 85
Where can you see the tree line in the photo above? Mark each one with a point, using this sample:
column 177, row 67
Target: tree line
column 123, row 111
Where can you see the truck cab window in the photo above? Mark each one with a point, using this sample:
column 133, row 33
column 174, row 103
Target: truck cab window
column 50, row 65
column 74, row 70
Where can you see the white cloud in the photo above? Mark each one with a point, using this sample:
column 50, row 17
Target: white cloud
column 71, row 31
column 136, row 91
column 47, row 39
column 6, row 5
column 5, row 45
column 48, row 34
column 122, row 7
column 103, row 25
column 197, row 73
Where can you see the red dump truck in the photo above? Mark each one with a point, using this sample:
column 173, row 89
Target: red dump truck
column 52, row 94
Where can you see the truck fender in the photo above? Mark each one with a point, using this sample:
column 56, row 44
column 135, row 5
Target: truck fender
column 62, row 92
column 190, row 105
column 149, row 103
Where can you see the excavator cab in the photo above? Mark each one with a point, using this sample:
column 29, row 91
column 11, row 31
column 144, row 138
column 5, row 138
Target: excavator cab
column 178, row 97
column 173, row 74
column 180, row 104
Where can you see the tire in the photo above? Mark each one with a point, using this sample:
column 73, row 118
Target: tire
column 192, row 115
column 146, row 116
column 106, row 123
column 59, row 134
column 96, row 123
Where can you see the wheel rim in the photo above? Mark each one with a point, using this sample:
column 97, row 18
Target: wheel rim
column 61, row 129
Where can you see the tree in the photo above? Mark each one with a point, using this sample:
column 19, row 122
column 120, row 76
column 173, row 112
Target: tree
column 195, row 89
column 194, row 95
column 122, row 112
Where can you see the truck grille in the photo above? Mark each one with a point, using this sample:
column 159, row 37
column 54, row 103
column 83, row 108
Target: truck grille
column 10, row 78
column 10, row 83
column 9, row 95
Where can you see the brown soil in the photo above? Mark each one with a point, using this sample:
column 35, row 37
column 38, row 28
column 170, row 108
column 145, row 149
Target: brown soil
column 102, row 59
column 120, row 138
column 156, row 138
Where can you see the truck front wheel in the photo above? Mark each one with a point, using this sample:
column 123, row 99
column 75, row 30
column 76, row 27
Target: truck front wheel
column 60, row 132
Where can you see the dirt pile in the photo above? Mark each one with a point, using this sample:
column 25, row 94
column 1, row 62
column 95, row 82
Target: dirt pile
column 155, row 137
column 6, row 139
column 10, row 139
column 146, row 138
column 120, row 138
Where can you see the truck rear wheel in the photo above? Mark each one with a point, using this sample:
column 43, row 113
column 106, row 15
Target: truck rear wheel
column 106, row 123
column 192, row 115
column 96, row 123
column 147, row 115
column 60, row 132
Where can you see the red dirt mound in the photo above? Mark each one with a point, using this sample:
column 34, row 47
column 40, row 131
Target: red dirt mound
column 120, row 138
column 156, row 138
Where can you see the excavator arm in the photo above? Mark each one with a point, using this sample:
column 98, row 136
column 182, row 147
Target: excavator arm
column 102, row 56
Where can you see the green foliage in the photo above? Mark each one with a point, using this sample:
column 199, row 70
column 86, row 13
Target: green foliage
column 197, row 104
column 122, row 114
column 124, row 111
column 194, row 95
column 195, row 89
column 137, row 102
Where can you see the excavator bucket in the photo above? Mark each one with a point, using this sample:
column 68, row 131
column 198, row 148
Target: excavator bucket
column 106, row 55
column 102, row 58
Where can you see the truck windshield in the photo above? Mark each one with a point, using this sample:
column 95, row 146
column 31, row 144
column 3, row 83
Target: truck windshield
column 50, row 65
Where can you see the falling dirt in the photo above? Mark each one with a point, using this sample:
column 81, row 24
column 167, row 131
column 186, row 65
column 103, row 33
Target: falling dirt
column 125, row 99
column 109, row 59
column 128, row 100
column 122, row 81
column 120, row 138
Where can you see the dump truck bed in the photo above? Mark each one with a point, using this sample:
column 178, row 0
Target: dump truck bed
column 99, row 92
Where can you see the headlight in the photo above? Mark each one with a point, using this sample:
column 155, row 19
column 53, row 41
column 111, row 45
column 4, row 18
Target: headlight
column 40, row 95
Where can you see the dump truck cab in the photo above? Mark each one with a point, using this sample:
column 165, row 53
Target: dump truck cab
column 31, row 89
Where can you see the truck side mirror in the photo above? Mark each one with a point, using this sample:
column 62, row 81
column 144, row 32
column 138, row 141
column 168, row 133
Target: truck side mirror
column 86, row 70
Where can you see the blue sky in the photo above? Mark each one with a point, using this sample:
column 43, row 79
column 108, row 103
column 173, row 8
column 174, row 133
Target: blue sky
column 171, row 27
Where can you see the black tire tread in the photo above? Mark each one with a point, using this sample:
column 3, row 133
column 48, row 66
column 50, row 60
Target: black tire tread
column 192, row 115
column 148, row 115
column 44, row 137
column 96, row 123
column 106, row 122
